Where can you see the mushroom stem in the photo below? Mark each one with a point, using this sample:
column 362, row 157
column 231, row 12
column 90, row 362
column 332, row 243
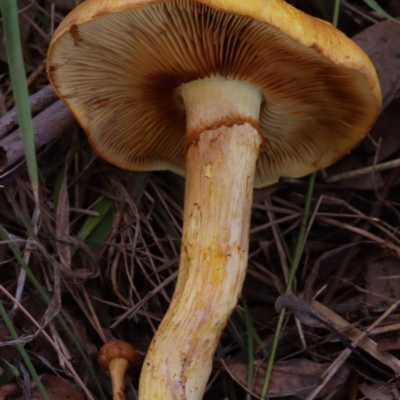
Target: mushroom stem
column 117, row 368
column 220, row 166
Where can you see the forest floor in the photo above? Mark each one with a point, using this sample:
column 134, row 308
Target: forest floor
column 103, row 249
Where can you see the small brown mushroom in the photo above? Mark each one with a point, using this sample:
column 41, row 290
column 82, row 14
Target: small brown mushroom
column 117, row 356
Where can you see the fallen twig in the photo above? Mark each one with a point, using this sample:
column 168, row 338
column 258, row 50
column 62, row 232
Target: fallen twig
column 46, row 126
column 38, row 101
column 363, row 171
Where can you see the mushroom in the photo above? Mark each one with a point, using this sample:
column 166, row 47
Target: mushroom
column 230, row 93
column 117, row 356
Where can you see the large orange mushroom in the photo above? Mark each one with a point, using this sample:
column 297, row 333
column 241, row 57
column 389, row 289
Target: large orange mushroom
column 230, row 93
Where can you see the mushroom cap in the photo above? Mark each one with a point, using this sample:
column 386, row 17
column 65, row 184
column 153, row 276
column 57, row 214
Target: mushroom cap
column 117, row 349
column 119, row 65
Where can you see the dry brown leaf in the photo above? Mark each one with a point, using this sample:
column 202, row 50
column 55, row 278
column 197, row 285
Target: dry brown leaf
column 296, row 377
column 389, row 341
column 301, row 310
column 57, row 389
column 382, row 279
column 381, row 43
column 353, row 333
column 385, row 130
column 377, row 391
column 8, row 390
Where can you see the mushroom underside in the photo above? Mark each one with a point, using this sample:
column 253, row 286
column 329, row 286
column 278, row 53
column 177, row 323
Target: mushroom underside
column 149, row 52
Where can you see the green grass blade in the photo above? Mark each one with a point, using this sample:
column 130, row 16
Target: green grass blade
column 96, row 238
column 228, row 382
column 272, row 354
column 292, row 272
column 302, row 234
column 91, row 222
column 9, row 371
column 236, row 337
column 18, row 80
column 23, row 353
column 46, row 298
column 250, row 349
column 336, row 11
column 322, row 9
column 95, row 229
column 375, row 6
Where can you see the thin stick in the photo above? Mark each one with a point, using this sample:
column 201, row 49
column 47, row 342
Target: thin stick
column 46, row 126
column 38, row 101
column 363, row 171
column 346, row 352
